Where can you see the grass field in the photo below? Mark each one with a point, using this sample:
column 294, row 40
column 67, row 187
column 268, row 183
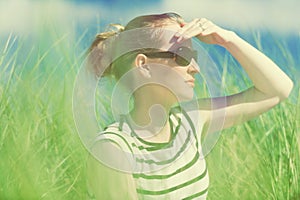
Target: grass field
column 42, row 157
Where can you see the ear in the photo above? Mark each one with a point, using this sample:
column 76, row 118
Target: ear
column 140, row 60
column 141, row 64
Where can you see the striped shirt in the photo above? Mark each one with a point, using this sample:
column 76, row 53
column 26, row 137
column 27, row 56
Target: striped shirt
column 171, row 170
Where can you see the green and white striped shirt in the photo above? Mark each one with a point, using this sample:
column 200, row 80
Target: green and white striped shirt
column 172, row 170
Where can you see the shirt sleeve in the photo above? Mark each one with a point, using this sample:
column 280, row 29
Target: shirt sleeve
column 112, row 148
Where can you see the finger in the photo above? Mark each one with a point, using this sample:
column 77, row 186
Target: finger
column 190, row 34
column 203, row 21
column 186, row 27
column 191, row 31
column 196, row 27
column 207, row 24
column 211, row 28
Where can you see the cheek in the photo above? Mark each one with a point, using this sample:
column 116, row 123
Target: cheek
column 173, row 79
column 181, row 71
column 176, row 75
column 168, row 62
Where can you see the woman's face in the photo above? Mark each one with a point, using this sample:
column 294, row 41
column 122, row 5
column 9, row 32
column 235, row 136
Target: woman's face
column 176, row 76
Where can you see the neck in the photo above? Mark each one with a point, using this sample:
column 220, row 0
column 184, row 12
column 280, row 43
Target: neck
column 150, row 115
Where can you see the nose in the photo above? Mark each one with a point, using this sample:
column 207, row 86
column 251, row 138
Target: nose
column 193, row 67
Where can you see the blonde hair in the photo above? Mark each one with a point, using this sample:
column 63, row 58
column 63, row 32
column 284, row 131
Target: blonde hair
column 118, row 67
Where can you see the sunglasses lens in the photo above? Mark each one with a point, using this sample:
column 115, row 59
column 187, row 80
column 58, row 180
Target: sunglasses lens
column 182, row 61
column 184, row 56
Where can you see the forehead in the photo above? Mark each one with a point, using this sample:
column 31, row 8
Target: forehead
column 162, row 38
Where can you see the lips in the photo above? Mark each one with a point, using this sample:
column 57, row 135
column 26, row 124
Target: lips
column 191, row 82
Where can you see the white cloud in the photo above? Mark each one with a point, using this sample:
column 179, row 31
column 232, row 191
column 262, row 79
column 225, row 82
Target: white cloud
column 279, row 15
column 25, row 16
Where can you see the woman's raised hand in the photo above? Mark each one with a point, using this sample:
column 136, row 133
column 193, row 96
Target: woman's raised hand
column 205, row 30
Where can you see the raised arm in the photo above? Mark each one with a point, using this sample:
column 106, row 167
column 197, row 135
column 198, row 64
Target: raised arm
column 266, row 76
column 271, row 84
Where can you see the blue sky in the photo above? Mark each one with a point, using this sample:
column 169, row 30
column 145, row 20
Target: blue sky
column 25, row 15
column 73, row 17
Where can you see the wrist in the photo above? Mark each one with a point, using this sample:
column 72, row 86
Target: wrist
column 228, row 37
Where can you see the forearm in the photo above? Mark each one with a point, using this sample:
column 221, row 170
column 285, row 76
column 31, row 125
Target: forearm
column 266, row 76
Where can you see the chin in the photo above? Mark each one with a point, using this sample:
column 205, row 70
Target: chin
column 186, row 95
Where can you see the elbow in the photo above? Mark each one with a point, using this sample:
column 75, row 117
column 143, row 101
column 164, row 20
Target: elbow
column 287, row 90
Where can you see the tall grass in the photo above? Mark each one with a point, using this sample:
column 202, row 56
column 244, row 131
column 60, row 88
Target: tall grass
column 41, row 156
column 261, row 158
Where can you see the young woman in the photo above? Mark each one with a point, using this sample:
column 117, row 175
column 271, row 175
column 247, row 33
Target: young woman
column 154, row 150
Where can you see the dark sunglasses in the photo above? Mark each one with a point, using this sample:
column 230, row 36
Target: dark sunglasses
column 183, row 55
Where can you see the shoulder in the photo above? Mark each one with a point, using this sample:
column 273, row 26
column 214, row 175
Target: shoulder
column 112, row 147
column 196, row 118
column 113, row 134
